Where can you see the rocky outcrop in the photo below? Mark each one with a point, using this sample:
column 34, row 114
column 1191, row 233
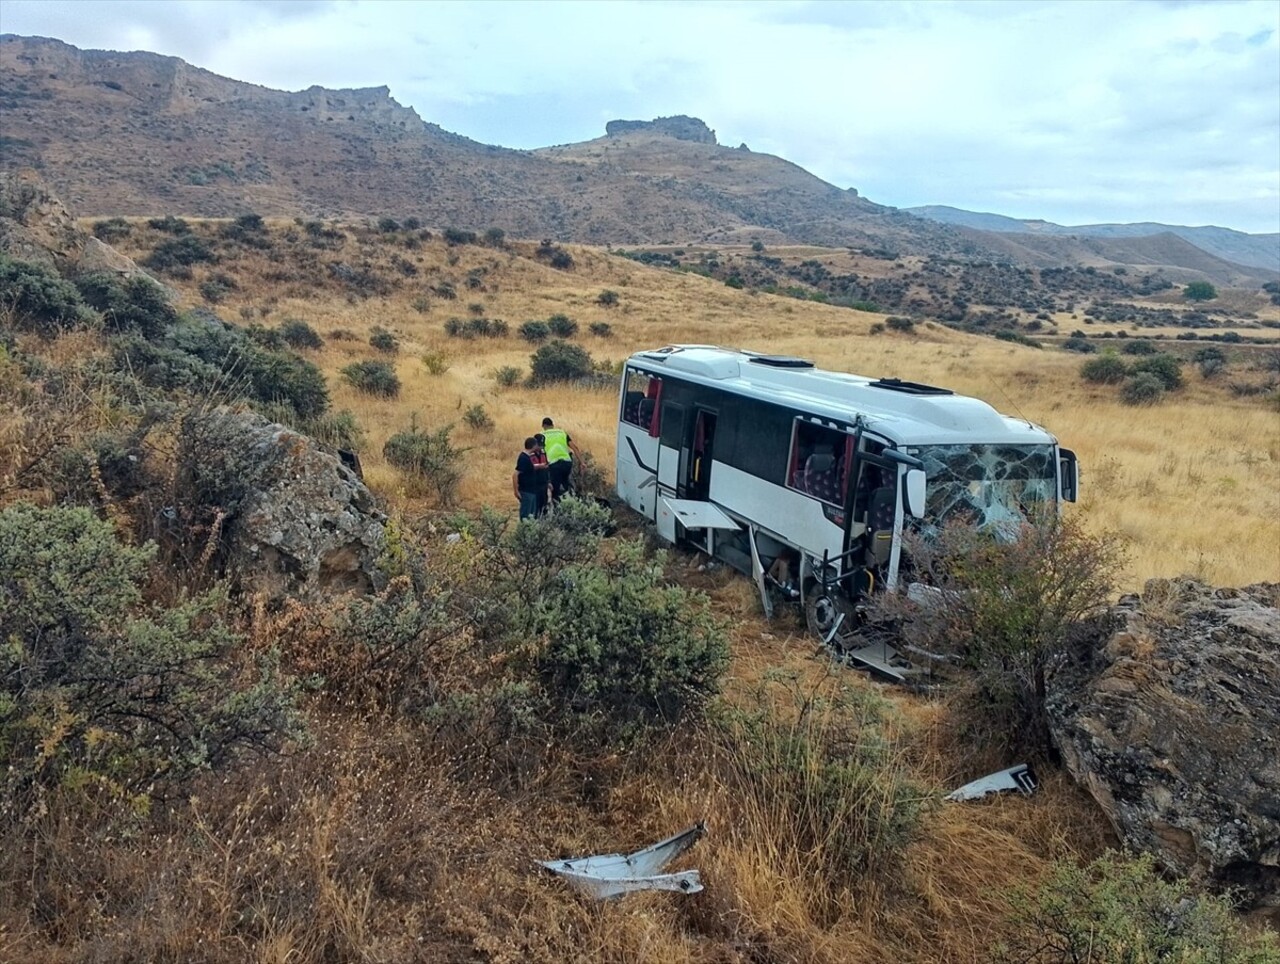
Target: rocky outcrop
column 1171, row 720
column 35, row 226
column 681, row 127
column 292, row 518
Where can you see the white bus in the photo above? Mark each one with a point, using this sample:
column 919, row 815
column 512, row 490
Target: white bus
column 748, row 456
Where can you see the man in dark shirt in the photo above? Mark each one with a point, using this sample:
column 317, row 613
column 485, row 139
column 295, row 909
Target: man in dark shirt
column 541, row 473
column 524, row 480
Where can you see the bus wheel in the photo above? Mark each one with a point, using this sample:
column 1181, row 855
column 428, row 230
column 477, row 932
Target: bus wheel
column 823, row 614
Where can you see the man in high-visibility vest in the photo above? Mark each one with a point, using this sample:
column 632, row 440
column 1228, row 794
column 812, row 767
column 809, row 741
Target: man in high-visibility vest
column 561, row 451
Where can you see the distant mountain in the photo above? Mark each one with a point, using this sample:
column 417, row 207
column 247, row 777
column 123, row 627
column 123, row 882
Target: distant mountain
column 1252, row 250
column 142, row 134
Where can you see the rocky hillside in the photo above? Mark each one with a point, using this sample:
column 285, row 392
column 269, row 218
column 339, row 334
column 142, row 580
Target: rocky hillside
column 142, row 134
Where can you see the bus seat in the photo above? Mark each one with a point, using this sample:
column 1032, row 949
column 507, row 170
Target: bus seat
column 631, row 407
column 880, row 525
column 820, row 476
column 645, row 412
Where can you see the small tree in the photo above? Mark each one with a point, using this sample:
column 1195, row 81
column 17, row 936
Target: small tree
column 1200, row 291
column 373, row 378
column 560, row 361
column 1004, row 609
column 430, row 456
column 1107, row 369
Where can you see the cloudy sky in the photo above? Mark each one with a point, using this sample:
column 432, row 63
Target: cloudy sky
column 1078, row 112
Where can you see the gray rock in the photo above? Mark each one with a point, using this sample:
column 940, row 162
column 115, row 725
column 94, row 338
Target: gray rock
column 294, row 519
column 1169, row 715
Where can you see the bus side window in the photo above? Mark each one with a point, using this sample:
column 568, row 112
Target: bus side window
column 640, row 400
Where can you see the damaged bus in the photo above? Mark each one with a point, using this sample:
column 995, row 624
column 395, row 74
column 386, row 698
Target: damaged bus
column 749, row 457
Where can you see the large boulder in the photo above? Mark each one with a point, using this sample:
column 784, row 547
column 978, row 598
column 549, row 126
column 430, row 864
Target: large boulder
column 292, row 518
column 1170, row 717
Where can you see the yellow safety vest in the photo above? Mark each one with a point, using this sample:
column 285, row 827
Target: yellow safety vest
column 556, row 444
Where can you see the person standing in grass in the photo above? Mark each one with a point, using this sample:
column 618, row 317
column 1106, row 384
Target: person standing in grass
column 524, row 480
column 541, row 472
column 561, row 452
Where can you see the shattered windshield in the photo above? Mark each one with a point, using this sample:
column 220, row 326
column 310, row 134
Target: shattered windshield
column 994, row 485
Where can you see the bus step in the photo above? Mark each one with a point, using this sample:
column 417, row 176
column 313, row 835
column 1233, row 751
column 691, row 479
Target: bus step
column 883, row 661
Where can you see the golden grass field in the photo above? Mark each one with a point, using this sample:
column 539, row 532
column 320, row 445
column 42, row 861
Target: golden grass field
column 1192, row 484
column 394, row 857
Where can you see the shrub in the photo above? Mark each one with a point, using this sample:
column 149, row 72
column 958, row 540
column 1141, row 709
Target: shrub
column 896, row 323
column 495, row 237
column 1106, row 369
column 436, row 362
column 1200, row 291
column 455, row 236
column 112, row 229
column 477, row 418
column 1004, row 612
column 129, row 304
column 388, row 225
column 429, row 456
column 617, row 651
column 1121, row 908
column 373, row 378
column 534, row 331
column 1143, row 388
column 445, row 290
column 92, row 681
column 507, row 376
column 169, row 225
column 476, row 328
column 180, row 252
column 601, row 329
column 562, row 326
column 877, row 328
column 1081, row 344
column 39, row 300
column 607, row 298
column 1139, row 347
column 1212, row 361
column 559, row 361
column 298, row 334
column 213, row 291
column 562, row 260
column 384, row 341
column 815, row 776
column 412, row 223
column 1167, row 368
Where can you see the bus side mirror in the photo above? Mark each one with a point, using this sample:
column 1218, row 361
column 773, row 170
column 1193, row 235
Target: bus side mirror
column 913, row 493
column 1069, row 468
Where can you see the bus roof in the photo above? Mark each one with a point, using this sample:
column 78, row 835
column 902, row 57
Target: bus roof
column 906, row 412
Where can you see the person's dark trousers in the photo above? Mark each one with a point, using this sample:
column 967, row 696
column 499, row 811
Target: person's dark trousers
column 528, row 505
column 560, row 472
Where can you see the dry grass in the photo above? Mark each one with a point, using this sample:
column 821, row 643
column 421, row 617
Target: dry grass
column 380, row 843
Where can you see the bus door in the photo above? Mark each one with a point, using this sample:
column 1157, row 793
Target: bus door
column 872, row 502
column 697, row 475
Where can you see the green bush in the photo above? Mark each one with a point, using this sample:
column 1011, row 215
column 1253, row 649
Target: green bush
column 535, row 331
column 562, row 326
column 1167, row 368
column 184, row 250
column 436, row 362
column 478, row 418
column 298, row 334
column 607, row 298
column 455, row 236
column 388, row 225
column 429, row 456
column 129, row 304
column 507, row 376
column 601, row 329
column 897, row 323
column 1106, row 369
column 495, row 237
column 39, row 300
column 618, row 651
column 112, row 229
column 1121, row 908
column 1139, row 347
column 169, row 225
column 384, row 341
column 1142, row 389
column 93, row 681
column 559, row 361
column 373, row 378
column 476, row 327
column 1080, row 344
column 1200, row 291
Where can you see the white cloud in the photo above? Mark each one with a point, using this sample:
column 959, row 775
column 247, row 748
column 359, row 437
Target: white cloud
column 1124, row 110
